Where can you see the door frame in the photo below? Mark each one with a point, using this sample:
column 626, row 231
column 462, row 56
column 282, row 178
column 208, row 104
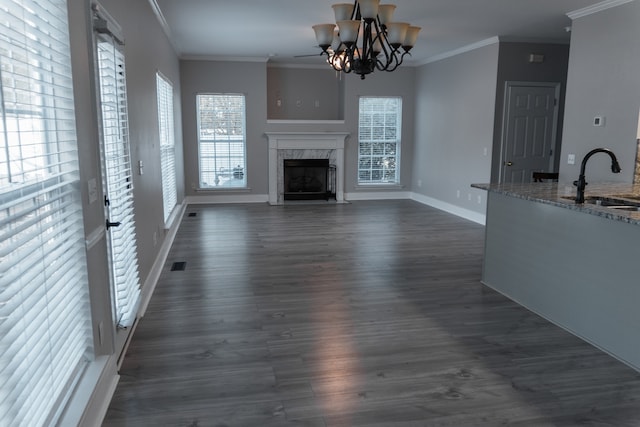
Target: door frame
column 505, row 125
column 103, row 26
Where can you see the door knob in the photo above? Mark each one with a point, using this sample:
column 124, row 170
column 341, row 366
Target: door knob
column 112, row 224
column 508, row 163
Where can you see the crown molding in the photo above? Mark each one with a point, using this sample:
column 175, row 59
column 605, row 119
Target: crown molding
column 533, row 40
column 598, row 7
column 463, row 49
column 163, row 24
column 322, row 66
column 223, row 58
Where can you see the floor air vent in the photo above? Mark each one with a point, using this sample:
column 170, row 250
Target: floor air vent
column 178, row 266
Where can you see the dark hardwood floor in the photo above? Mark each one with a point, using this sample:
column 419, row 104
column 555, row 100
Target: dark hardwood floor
column 363, row 314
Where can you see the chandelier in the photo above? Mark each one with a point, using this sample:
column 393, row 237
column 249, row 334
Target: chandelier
column 365, row 39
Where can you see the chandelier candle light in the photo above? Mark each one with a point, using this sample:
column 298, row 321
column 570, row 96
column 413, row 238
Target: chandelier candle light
column 366, row 39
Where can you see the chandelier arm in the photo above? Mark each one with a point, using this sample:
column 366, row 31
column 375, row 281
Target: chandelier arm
column 355, row 14
column 390, row 58
column 386, row 49
column 399, row 61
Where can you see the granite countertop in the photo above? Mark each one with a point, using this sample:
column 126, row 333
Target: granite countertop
column 563, row 195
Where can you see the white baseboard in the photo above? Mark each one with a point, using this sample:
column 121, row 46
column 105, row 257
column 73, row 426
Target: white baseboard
column 448, row 207
column 226, row 198
column 377, row 195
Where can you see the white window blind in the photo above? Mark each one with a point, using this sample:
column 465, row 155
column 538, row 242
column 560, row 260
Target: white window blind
column 118, row 179
column 167, row 144
column 221, row 140
column 379, row 130
column 45, row 324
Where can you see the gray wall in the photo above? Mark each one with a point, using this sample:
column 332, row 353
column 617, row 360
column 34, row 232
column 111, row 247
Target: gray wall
column 455, row 105
column 248, row 78
column 304, row 94
column 398, row 83
column 251, row 79
column 147, row 50
column 603, row 80
column 514, row 65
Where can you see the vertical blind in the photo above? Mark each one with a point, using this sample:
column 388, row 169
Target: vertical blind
column 221, row 140
column 379, row 129
column 167, row 144
column 45, row 325
column 118, row 179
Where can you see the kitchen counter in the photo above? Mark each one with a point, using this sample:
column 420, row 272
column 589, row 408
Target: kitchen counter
column 563, row 195
column 575, row 265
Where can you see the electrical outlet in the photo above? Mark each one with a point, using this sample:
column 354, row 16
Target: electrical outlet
column 479, row 199
column 571, row 159
column 458, row 194
column 419, row 183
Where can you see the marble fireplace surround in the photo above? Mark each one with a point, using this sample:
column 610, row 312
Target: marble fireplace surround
column 304, row 145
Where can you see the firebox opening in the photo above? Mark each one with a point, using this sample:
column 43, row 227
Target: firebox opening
column 309, row 179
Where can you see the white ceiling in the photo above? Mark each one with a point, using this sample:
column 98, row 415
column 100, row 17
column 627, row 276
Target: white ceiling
column 281, row 29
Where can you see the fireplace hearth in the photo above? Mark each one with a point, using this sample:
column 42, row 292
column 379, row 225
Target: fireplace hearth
column 309, row 179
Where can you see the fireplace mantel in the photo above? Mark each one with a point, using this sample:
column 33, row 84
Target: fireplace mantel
column 334, row 141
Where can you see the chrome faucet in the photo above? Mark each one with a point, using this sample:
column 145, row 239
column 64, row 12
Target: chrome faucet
column 581, row 183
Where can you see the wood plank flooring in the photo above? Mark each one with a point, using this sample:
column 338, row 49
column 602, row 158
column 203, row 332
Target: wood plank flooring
column 362, row 314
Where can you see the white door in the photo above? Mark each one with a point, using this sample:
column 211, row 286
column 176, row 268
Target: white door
column 529, row 133
column 117, row 178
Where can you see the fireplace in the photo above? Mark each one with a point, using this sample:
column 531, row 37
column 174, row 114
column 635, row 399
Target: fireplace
column 309, row 179
column 326, row 146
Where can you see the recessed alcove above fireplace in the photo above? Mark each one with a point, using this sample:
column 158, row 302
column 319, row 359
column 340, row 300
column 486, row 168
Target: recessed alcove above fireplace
column 304, row 145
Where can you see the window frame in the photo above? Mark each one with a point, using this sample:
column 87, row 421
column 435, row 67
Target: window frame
column 233, row 171
column 364, row 158
column 166, row 133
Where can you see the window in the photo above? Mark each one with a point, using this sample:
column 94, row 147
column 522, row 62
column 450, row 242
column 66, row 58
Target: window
column 379, row 130
column 45, row 320
column 167, row 144
column 221, row 140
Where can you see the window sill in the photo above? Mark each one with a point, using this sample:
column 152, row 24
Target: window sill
column 381, row 186
column 305, row 122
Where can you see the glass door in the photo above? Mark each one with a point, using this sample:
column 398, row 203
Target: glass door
column 117, row 175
